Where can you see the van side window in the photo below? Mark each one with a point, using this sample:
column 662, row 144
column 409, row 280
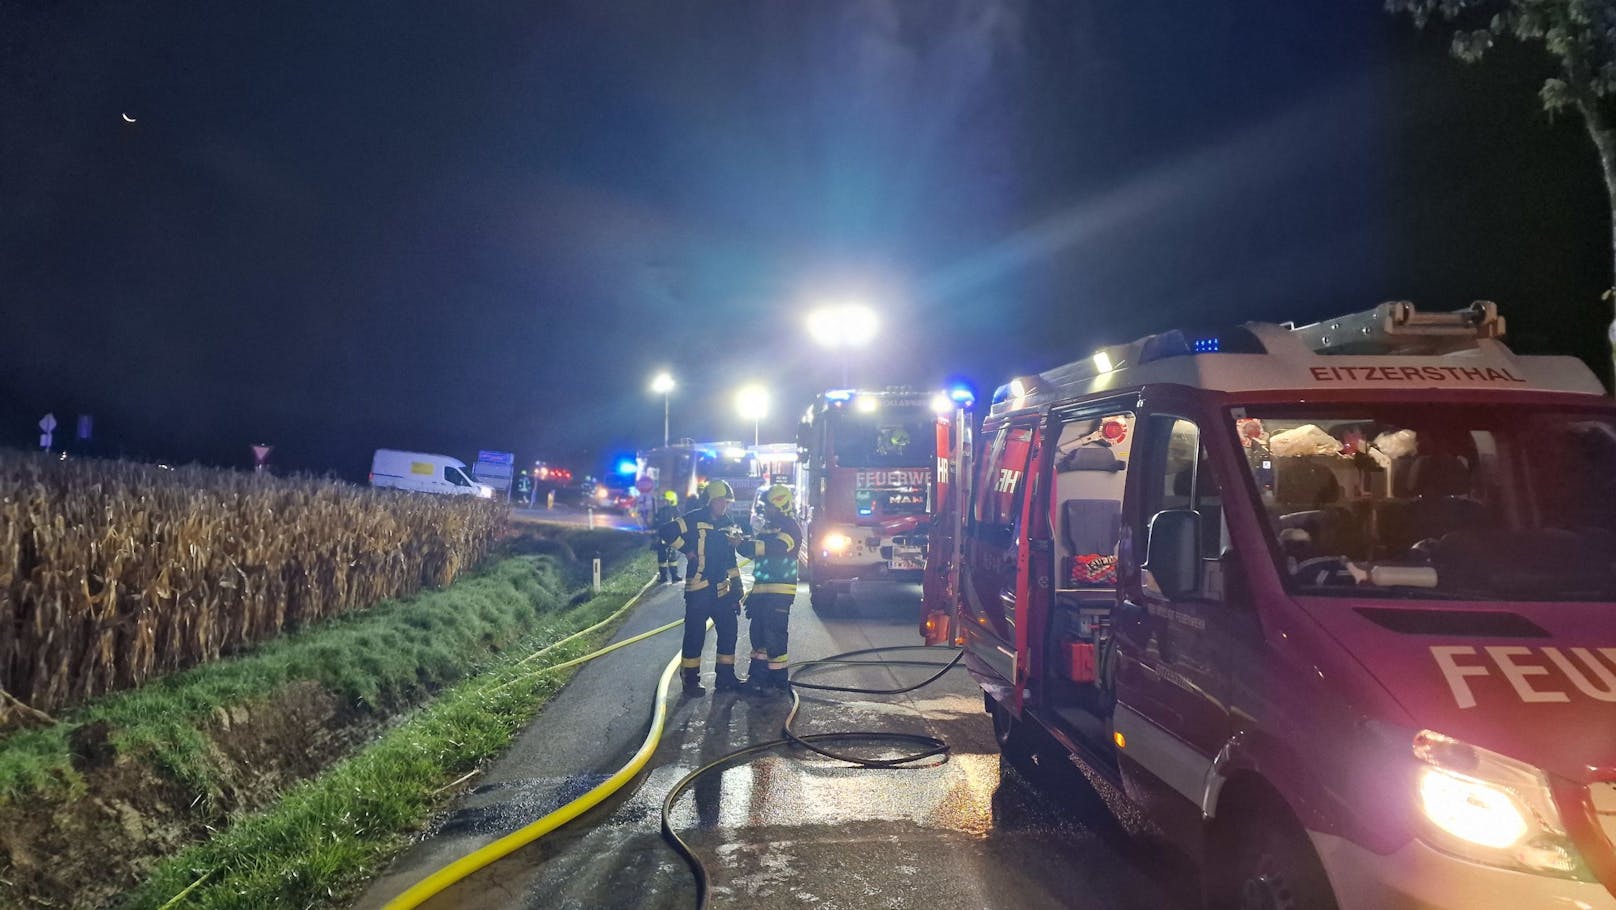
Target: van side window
column 999, row 486
column 1181, row 477
column 453, row 475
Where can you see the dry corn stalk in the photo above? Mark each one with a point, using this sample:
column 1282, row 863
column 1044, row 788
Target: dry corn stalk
column 113, row 573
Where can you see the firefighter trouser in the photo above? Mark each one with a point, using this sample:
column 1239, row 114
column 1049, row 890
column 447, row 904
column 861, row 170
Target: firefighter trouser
column 668, row 563
column 701, row 606
column 771, row 613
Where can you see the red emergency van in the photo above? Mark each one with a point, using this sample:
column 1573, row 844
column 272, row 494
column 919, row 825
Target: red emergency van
column 1335, row 604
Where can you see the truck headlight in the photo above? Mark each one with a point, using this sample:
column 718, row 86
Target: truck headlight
column 836, row 542
column 1484, row 807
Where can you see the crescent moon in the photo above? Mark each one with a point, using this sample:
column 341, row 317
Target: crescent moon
column 127, row 118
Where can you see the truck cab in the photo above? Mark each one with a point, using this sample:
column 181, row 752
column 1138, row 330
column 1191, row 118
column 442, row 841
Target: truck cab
column 1334, row 604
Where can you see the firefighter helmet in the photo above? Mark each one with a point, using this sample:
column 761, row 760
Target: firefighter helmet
column 670, row 497
column 716, row 489
column 779, row 496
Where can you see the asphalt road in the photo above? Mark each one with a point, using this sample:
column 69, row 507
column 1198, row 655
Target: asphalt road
column 789, row 829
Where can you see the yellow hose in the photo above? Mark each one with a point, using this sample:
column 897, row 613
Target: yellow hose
column 477, row 859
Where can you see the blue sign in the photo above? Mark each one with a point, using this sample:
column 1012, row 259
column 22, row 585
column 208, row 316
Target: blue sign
column 497, row 457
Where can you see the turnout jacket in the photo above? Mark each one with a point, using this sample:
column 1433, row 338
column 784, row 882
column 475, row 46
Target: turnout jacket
column 705, row 543
column 774, row 553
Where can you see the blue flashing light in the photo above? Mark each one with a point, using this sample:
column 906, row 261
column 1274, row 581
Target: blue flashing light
column 962, row 395
column 1205, row 345
column 628, row 467
column 839, row 395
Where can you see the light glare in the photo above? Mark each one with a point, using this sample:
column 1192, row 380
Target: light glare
column 843, row 325
column 662, row 384
column 752, row 402
column 1102, row 362
column 1470, row 809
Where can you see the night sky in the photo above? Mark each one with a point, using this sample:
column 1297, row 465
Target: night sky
column 341, row 226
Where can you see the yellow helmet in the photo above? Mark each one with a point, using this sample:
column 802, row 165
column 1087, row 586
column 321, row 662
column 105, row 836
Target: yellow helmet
column 716, row 489
column 671, row 497
column 780, row 497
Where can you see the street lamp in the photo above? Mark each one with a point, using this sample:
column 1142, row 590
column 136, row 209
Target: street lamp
column 753, row 403
column 843, row 326
column 663, row 385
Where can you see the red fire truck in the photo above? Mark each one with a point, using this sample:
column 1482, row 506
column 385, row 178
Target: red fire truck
column 865, row 476
column 1334, row 604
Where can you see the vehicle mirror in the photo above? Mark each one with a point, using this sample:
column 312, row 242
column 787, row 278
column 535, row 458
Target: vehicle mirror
column 1172, row 556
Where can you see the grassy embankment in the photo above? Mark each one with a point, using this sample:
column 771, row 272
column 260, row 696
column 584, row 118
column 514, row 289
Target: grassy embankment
column 310, row 842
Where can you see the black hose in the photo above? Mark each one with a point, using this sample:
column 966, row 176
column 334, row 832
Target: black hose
column 930, row 746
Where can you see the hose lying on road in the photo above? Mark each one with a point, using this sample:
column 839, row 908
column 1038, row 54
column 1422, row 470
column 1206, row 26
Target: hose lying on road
column 926, row 746
column 930, row 746
column 424, row 889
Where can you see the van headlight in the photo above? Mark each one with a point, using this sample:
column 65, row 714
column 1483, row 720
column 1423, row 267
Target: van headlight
column 1486, row 808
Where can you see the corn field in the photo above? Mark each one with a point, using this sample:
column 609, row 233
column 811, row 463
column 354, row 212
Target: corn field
column 114, row 573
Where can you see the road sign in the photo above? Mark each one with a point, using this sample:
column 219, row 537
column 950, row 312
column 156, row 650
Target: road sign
column 86, row 424
column 645, row 484
column 261, row 455
column 47, row 425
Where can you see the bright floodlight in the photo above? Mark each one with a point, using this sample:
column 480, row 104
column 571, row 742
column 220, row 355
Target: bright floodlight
column 843, row 325
column 940, row 404
column 662, row 384
column 752, row 402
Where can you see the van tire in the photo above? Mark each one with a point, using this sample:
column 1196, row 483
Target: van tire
column 1014, row 738
column 1262, row 859
column 823, row 599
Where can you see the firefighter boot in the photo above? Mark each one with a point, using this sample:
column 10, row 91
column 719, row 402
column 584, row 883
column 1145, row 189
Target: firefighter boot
column 781, row 679
column 757, row 678
column 662, row 575
column 726, row 681
column 693, row 686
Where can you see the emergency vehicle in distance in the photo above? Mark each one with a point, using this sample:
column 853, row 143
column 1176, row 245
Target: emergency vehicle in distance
column 686, row 465
column 865, row 479
column 1335, row 604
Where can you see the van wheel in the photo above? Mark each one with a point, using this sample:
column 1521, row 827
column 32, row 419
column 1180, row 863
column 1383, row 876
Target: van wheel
column 1271, row 865
column 823, row 599
column 1012, row 735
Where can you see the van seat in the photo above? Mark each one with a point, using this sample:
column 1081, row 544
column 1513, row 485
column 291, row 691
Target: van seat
column 1091, row 525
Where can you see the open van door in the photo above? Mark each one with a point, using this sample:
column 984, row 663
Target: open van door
column 939, row 601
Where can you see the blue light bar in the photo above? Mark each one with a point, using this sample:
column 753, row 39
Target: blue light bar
column 1178, row 344
column 839, row 395
column 962, row 395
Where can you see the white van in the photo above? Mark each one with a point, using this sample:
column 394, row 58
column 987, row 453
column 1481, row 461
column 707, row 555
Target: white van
column 425, row 473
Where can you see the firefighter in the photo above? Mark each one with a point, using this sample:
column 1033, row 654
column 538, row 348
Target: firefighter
column 707, row 536
column 774, row 586
column 667, row 557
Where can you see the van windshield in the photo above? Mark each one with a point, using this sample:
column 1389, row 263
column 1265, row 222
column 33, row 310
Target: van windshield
column 1444, row 501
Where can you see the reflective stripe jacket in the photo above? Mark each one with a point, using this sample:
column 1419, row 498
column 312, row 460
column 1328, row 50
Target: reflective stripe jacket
column 774, row 551
column 701, row 537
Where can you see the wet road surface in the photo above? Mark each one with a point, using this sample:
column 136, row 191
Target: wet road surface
column 788, row 828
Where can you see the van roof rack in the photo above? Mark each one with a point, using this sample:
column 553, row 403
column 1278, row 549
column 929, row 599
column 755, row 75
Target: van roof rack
column 1261, row 355
column 1398, row 328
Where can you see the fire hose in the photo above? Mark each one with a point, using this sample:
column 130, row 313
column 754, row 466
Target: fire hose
column 924, row 746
